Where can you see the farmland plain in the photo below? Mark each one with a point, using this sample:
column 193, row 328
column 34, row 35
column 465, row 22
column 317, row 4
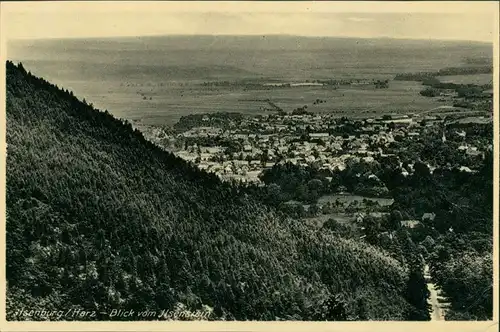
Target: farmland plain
column 159, row 79
column 479, row 79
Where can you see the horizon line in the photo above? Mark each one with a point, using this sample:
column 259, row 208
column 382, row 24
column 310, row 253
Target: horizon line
column 251, row 35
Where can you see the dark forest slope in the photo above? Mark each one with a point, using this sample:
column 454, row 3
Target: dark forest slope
column 99, row 218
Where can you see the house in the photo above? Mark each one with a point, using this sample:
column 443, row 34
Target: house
column 336, row 146
column 203, row 166
column 428, row 216
column 240, row 162
column 473, row 152
column 269, row 165
column 409, row 223
column 465, row 169
column 368, row 159
column 400, row 122
column 310, row 158
column 264, row 139
column 319, row 135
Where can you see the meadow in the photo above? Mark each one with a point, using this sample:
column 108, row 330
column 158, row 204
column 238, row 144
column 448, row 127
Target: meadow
column 347, row 199
column 159, row 79
column 478, row 79
column 156, row 105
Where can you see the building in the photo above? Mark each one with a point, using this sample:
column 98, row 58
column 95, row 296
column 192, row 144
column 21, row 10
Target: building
column 428, row 216
column 319, row 135
column 409, row 223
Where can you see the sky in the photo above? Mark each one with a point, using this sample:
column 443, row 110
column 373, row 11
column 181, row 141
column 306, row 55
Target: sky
column 414, row 20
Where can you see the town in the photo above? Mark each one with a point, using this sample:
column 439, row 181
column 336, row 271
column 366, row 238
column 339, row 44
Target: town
column 238, row 147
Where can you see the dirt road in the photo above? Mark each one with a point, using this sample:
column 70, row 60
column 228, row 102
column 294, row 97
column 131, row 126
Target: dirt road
column 435, row 300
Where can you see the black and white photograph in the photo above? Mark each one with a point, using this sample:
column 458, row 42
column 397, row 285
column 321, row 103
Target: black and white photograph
column 249, row 161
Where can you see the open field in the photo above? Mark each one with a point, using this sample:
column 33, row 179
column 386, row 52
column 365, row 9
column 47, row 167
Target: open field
column 479, row 79
column 156, row 104
column 347, row 199
column 159, row 79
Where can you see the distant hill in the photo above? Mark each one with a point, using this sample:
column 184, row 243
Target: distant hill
column 240, row 42
column 98, row 218
column 272, row 56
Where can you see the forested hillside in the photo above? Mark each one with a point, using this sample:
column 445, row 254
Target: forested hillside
column 98, row 218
